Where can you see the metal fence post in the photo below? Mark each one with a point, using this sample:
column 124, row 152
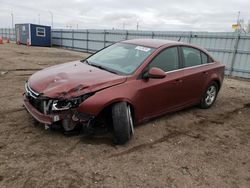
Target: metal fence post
column 61, row 31
column 190, row 37
column 13, row 34
column 73, row 39
column 104, row 38
column 87, row 40
column 236, row 44
column 126, row 36
column 153, row 34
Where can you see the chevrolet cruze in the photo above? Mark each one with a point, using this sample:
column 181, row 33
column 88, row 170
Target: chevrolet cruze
column 124, row 84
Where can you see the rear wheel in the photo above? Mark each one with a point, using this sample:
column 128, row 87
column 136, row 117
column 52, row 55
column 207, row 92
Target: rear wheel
column 122, row 122
column 209, row 95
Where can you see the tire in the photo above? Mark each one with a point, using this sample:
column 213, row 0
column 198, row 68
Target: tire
column 122, row 122
column 209, row 95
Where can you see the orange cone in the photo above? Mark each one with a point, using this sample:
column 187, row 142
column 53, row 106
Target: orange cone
column 1, row 40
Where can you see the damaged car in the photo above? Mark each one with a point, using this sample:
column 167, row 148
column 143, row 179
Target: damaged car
column 123, row 85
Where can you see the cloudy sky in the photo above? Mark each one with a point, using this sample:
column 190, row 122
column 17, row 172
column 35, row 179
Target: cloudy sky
column 183, row 15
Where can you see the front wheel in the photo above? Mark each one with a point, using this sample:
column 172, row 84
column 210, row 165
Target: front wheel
column 209, row 95
column 122, row 122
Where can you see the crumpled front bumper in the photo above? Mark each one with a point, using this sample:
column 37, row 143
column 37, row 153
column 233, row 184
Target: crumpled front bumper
column 42, row 118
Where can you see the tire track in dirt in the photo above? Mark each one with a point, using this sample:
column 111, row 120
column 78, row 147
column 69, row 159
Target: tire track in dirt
column 6, row 96
column 23, row 74
column 172, row 134
column 14, row 70
column 223, row 117
column 12, row 111
column 71, row 149
column 175, row 133
column 165, row 138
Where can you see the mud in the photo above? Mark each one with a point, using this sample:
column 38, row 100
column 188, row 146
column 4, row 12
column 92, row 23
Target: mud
column 189, row 148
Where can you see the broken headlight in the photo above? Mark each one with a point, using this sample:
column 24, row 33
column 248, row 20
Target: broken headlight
column 66, row 104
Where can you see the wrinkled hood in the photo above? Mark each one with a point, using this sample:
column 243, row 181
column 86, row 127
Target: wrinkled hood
column 72, row 79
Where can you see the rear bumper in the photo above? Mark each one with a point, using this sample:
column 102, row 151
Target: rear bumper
column 42, row 118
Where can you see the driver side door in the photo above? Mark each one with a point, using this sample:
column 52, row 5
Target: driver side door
column 158, row 96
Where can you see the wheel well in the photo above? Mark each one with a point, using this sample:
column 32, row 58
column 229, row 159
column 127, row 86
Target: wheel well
column 107, row 112
column 218, row 84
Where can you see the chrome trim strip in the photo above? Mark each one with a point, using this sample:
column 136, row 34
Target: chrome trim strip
column 189, row 67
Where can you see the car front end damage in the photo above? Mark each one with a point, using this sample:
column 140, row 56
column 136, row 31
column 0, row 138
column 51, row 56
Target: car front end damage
column 51, row 111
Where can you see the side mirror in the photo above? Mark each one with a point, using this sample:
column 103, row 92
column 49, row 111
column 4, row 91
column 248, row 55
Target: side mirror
column 155, row 73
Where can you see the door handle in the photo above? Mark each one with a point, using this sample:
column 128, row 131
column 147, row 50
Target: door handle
column 178, row 81
column 206, row 73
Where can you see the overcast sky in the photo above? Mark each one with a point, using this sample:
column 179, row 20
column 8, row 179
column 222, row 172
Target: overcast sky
column 183, row 15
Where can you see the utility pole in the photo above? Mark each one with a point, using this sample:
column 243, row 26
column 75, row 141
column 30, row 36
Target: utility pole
column 52, row 18
column 240, row 23
column 137, row 26
column 238, row 19
column 12, row 22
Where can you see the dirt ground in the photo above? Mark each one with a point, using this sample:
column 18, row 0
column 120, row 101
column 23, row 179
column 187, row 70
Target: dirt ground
column 190, row 148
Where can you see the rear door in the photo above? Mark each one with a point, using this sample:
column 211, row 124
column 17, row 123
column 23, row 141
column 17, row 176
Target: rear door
column 194, row 75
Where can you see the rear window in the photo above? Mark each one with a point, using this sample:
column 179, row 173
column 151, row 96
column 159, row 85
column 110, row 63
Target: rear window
column 192, row 56
column 204, row 58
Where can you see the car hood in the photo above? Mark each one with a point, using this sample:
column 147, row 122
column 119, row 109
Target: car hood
column 71, row 80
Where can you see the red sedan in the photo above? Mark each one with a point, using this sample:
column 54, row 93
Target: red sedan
column 124, row 84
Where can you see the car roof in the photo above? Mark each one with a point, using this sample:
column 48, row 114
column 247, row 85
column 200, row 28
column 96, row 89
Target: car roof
column 152, row 43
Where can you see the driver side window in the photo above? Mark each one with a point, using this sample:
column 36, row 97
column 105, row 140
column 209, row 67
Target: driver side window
column 167, row 60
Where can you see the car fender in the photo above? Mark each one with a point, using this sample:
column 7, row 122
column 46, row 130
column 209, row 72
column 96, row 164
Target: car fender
column 104, row 98
column 210, row 79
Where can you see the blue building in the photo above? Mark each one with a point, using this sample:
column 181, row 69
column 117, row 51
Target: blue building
column 32, row 34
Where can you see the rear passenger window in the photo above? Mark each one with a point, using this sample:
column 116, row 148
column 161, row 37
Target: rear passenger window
column 167, row 60
column 204, row 58
column 192, row 56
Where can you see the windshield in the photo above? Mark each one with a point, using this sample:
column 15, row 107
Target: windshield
column 120, row 58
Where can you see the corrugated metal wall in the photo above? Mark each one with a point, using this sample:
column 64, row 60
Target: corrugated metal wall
column 8, row 33
column 232, row 49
